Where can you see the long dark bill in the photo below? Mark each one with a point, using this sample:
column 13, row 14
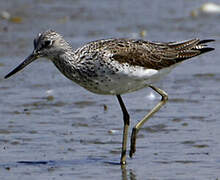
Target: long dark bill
column 27, row 61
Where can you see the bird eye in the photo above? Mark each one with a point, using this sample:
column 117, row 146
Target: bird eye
column 47, row 43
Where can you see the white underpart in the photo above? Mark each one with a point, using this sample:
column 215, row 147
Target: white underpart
column 131, row 78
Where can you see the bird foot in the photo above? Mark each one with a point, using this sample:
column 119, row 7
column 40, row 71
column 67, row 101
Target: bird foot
column 133, row 142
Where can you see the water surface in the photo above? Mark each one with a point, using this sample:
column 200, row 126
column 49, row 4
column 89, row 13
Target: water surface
column 50, row 128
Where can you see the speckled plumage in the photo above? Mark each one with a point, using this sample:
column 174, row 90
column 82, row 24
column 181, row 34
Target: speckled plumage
column 115, row 67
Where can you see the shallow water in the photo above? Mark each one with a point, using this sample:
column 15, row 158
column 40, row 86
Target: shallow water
column 50, row 128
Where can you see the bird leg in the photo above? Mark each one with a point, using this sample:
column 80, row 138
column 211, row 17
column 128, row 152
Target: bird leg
column 125, row 130
column 137, row 127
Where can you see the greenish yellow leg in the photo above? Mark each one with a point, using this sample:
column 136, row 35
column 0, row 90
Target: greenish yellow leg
column 125, row 130
column 137, row 127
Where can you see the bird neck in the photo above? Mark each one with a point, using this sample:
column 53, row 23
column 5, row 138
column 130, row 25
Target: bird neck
column 65, row 61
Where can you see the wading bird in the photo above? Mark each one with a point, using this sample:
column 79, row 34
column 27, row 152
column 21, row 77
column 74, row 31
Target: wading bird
column 115, row 67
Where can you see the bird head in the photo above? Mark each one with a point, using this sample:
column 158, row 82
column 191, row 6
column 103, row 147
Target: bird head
column 48, row 44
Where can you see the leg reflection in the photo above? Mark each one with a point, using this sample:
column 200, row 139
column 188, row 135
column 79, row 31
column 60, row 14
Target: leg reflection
column 125, row 175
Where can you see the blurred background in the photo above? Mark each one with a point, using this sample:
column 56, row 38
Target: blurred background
column 50, row 128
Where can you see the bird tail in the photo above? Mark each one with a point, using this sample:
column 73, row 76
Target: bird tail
column 191, row 48
column 202, row 46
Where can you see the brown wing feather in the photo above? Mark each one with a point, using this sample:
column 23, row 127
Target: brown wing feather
column 154, row 55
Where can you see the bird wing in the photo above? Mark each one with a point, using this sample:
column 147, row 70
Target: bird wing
column 154, row 55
